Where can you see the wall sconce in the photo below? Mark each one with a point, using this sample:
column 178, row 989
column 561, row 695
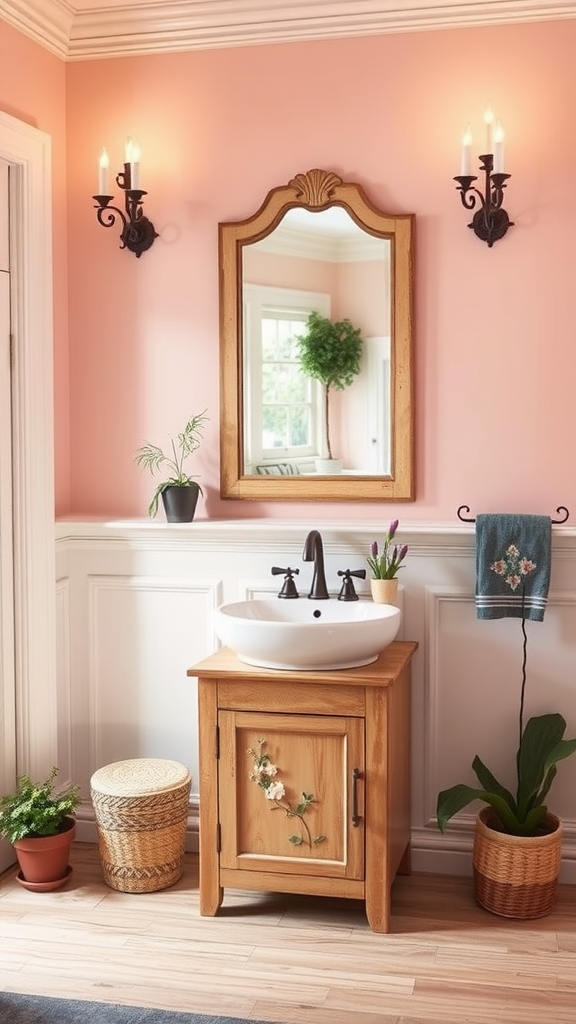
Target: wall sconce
column 138, row 233
column 490, row 222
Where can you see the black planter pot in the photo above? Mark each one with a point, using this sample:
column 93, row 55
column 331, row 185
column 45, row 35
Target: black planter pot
column 180, row 503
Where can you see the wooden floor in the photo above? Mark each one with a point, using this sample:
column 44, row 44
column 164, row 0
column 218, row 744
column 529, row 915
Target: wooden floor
column 287, row 958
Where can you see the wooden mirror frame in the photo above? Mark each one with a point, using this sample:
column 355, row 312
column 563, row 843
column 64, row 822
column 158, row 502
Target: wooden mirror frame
column 316, row 190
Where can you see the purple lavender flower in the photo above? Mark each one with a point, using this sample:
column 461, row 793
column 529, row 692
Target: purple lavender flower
column 386, row 565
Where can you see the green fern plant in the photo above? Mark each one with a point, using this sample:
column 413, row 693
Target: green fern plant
column 151, row 457
column 35, row 809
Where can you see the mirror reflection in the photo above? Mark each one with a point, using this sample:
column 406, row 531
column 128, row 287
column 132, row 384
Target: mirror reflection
column 322, row 262
column 316, row 246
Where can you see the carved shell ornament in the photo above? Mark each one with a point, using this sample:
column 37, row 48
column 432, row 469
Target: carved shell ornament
column 315, row 187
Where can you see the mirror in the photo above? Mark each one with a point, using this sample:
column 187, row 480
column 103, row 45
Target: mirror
column 317, row 245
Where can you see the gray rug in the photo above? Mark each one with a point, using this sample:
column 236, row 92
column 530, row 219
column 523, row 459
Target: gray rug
column 21, row 1009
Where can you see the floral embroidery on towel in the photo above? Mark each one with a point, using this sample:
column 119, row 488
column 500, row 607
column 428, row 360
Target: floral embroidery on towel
column 513, row 567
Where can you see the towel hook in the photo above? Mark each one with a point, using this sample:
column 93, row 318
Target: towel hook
column 561, row 511
column 464, row 508
column 561, row 508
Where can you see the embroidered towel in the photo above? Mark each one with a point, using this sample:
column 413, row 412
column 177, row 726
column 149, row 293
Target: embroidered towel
column 513, row 559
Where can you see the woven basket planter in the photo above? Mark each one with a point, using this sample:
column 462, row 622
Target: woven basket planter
column 516, row 876
column 141, row 810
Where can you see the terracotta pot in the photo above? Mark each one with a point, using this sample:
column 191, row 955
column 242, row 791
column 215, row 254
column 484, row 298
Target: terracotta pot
column 385, row 591
column 516, row 876
column 44, row 859
column 180, row 503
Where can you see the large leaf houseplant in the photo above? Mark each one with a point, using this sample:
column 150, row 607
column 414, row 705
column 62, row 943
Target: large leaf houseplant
column 39, row 822
column 179, row 490
column 517, row 841
column 330, row 352
column 522, row 813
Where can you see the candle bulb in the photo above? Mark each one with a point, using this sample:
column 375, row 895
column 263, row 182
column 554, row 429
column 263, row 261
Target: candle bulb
column 488, row 121
column 499, row 148
column 135, row 166
column 103, row 165
column 466, row 152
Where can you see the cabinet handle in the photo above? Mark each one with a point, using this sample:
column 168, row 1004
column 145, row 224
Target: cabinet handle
column 356, row 819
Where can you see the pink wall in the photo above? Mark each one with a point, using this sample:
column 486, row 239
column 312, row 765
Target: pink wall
column 271, row 270
column 33, row 89
column 496, row 416
column 363, row 290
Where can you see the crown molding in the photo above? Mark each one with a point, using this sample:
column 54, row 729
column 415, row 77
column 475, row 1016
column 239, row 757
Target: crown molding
column 85, row 29
column 48, row 23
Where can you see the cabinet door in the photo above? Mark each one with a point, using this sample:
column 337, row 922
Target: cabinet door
column 317, row 757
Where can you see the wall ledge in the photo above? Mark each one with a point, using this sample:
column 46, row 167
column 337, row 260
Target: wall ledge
column 424, row 538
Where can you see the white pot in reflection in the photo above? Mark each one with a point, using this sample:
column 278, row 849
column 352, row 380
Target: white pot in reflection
column 328, row 467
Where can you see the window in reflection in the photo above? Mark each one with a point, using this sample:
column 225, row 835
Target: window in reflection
column 283, row 406
column 287, row 407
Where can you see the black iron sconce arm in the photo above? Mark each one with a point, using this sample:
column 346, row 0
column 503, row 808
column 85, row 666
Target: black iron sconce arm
column 490, row 222
column 138, row 232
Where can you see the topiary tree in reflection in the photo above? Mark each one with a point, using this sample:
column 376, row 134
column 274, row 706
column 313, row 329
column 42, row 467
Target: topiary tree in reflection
column 330, row 352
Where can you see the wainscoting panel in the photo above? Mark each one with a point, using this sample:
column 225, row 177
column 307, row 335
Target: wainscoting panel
column 143, row 633
column 64, row 685
column 135, row 606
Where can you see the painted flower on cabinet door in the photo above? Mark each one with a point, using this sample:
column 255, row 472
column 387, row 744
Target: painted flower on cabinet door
column 264, row 773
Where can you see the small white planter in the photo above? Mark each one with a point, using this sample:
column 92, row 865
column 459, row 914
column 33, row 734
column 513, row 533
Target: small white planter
column 328, row 467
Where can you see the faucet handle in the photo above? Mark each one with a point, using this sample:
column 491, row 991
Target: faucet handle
column 347, row 593
column 288, row 587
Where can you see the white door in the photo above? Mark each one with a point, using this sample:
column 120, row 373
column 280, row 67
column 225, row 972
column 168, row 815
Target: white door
column 7, row 678
column 379, row 405
column 28, row 735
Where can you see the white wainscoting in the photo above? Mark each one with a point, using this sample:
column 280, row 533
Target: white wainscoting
column 134, row 606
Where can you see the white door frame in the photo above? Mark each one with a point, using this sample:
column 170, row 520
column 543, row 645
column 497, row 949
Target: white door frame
column 7, row 674
column 28, row 151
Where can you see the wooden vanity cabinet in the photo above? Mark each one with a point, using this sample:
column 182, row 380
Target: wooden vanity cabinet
column 341, row 737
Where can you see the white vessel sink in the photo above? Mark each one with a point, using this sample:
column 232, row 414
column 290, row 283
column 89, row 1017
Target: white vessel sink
column 307, row 635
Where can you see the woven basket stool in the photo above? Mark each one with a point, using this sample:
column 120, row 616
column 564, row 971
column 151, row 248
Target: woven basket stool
column 141, row 808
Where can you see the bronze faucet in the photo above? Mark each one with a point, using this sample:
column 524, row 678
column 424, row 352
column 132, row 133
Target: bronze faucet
column 314, row 552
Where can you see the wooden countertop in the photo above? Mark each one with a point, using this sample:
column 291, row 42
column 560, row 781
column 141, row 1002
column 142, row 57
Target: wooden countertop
column 384, row 670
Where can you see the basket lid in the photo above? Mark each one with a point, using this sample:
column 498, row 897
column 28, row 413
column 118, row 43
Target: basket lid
column 139, row 776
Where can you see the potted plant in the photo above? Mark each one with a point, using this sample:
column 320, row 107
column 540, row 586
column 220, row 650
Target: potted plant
column 40, row 825
column 179, row 491
column 517, row 841
column 330, row 352
column 385, row 565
